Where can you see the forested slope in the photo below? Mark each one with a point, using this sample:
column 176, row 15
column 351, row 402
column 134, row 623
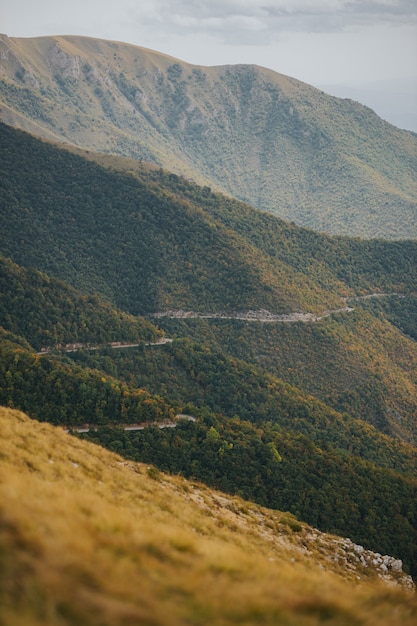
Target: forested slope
column 257, row 436
column 149, row 245
column 355, row 361
column 47, row 312
column 147, row 241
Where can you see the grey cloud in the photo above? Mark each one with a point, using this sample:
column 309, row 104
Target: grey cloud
column 259, row 21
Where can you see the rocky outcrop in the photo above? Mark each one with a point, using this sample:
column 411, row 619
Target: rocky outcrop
column 356, row 557
column 67, row 65
column 322, row 550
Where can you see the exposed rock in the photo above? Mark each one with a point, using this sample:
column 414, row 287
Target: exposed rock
column 30, row 79
column 67, row 65
column 386, row 567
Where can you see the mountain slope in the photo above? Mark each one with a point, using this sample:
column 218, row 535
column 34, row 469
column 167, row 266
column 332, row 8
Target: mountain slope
column 109, row 232
column 287, row 450
column 47, row 312
column 149, row 244
column 88, row 538
column 355, row 361
column 262, row 137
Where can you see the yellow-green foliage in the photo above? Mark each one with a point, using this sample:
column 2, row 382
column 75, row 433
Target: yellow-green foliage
column 87, row 538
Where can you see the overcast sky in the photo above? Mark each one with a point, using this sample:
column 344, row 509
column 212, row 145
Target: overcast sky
column 365, row 46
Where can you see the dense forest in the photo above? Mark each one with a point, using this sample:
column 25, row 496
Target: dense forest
column 48, row 313
column 357, row 361
column 149, row 241
column 315, row 418
column 149, row 245
column 257, row 436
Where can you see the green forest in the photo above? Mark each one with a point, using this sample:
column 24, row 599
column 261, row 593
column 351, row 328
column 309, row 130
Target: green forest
column 149, row 245
column 268, row 460
column 315, row 418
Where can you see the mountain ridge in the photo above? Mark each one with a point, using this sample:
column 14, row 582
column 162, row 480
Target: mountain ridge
column 265, row 138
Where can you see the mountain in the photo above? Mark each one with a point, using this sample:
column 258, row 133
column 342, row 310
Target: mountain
column 151, row 243
column 262, row 137
column 253, row 434
column 93, row 242
column 89, row 538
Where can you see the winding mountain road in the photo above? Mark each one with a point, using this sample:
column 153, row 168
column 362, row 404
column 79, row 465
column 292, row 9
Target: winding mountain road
column 260, row 315
column 253, row 316
column 265, row 316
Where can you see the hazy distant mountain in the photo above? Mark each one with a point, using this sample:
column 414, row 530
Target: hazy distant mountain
column 273, row 141
column 393, row 100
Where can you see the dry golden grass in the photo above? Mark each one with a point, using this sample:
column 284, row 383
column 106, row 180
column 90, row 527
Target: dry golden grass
column 89, row 539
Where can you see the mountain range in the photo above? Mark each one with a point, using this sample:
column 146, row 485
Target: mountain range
column 147, row 311
column 135, row 240
column 268, row 139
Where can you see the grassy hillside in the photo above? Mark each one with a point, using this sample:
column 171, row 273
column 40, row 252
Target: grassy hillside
column 89, row 538
column 265, row 138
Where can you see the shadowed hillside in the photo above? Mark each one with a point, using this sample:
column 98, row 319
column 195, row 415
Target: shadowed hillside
column 265, row 138
column 154, row 242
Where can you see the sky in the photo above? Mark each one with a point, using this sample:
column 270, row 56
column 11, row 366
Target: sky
column 363, row 49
